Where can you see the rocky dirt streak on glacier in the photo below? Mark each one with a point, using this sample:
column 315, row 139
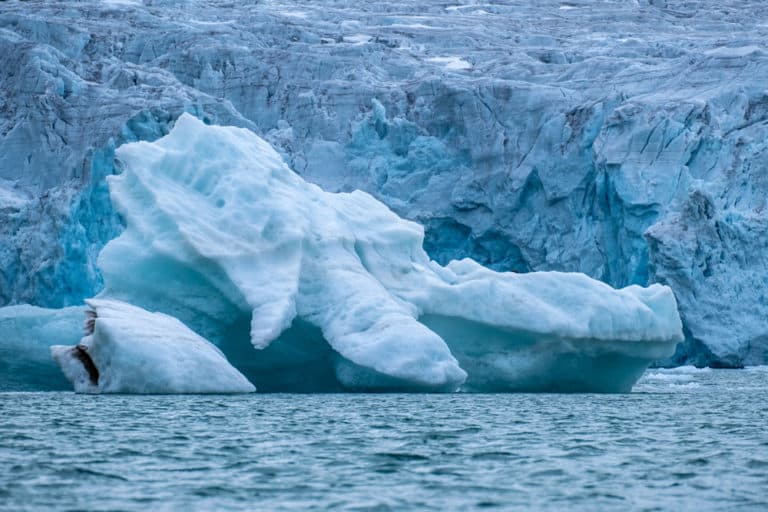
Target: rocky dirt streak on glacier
column 334, row 290
column 624, row 140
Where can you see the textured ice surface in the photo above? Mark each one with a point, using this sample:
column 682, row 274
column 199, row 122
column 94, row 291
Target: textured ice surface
column 222, row 234
column 26, row 333
column 129, row 350
column 625, row 140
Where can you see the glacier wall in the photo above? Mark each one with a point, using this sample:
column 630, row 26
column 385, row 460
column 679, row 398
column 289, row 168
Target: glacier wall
column 624, row 140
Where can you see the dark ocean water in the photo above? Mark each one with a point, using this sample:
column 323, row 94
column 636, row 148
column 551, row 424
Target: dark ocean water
column 684, row 440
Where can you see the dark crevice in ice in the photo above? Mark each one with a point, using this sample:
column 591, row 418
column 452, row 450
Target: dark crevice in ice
column 81, row 353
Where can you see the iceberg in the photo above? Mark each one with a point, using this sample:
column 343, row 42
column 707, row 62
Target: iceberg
column 129, row 350
column 335, row 291
column 26, row 333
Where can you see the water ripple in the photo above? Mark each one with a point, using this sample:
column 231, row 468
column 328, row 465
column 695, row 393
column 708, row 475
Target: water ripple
column 667, row 446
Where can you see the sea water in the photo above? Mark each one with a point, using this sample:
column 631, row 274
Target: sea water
column 685, row 439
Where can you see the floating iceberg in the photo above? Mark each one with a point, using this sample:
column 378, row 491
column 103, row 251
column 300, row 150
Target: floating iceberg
column 336, row 291
column 26, row 333
column 129, row 350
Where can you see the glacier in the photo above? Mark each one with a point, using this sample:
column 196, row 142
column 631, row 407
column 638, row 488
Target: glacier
column 335, row 291
column 624, row 140
column 129, row 350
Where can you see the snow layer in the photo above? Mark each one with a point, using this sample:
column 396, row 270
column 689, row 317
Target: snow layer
column 217, row 227
column 129, row 350
column 581, row 139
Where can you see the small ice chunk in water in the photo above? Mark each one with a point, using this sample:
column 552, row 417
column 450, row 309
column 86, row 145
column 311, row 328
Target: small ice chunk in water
column 129, row 350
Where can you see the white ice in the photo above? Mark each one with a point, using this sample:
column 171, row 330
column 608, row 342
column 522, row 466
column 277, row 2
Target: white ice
column 357, row 39
column 129, row 350
column 452, row 63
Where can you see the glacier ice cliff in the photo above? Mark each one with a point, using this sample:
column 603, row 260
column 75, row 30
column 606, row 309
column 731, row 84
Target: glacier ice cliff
column 625, row 140
column 129, row 350
column 335, row 290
